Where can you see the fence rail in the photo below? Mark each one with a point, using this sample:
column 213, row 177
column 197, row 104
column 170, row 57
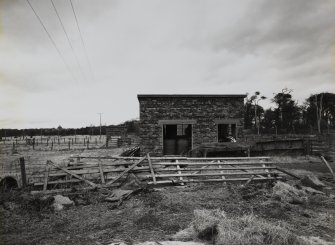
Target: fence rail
column 101, row 172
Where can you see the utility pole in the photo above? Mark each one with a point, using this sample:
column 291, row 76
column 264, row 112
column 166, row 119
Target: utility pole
column 100, row 113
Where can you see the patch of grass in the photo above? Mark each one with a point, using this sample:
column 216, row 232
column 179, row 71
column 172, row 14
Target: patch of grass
column 249, row 229
column 274, row 209
column 214, row 225
column 148, row 220
column 318, row 201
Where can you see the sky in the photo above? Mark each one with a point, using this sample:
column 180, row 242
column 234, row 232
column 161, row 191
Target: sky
column 131, row 47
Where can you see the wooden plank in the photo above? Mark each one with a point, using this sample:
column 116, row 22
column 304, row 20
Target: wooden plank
column 151, row 169
column 205, row 168
column 216, row 180
column 328, row 166
column 130, row 158
column 126, row 171
column 46, row 177
column 174, row 158
column 74, row 175
column 207, row 163
column 92, row 165
column 96, row 171
column 102, row 177
column 206, row 174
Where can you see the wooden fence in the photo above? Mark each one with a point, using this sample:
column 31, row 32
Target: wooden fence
column 101, row 172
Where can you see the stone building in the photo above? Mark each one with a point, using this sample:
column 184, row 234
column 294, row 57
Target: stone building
column 175, row 124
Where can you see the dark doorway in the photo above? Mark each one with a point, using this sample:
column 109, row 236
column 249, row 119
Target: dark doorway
column 225, row 131
column 177, row 139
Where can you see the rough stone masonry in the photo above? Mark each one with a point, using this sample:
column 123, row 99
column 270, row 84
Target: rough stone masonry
column 203, row 112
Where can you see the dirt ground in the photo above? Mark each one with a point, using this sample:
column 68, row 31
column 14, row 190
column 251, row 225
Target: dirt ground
column 155, row 214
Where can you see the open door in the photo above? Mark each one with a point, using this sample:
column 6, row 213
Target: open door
column 177, row 139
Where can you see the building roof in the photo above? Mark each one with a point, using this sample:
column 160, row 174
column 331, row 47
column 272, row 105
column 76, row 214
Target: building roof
column 191, row 96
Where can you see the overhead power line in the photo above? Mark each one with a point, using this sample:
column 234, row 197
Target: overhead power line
column 67, row 37
column 82, row 39
column 52, row 40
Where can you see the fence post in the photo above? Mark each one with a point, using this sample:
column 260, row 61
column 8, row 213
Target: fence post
column 23, row 172
column 52, row 145
column 46, row 176
column 101, row 172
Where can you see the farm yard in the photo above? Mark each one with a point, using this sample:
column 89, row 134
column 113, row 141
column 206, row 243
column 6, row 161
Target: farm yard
column 283, row 211
column 167, row 122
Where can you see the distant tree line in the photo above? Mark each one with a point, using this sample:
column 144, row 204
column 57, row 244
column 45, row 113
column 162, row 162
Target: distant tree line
column 132, row 128
column 315, row 115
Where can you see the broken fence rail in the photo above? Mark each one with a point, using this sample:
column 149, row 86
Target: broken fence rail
column 99, row 172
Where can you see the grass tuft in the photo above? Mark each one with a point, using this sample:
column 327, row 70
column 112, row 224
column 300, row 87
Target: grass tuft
column 249, row 229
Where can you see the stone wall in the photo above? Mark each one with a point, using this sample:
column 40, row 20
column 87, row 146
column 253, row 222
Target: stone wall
column 204, row 111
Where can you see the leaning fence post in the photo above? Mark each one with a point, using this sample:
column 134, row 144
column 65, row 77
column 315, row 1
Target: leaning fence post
column 151, row 169
column 328, row 166
column 23, row 172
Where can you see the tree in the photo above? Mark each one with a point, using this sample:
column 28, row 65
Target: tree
column 253, row 112
column 254, row 99
column 269, row 120
column 320, row 111
column 59, row 128
column 288, row 113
